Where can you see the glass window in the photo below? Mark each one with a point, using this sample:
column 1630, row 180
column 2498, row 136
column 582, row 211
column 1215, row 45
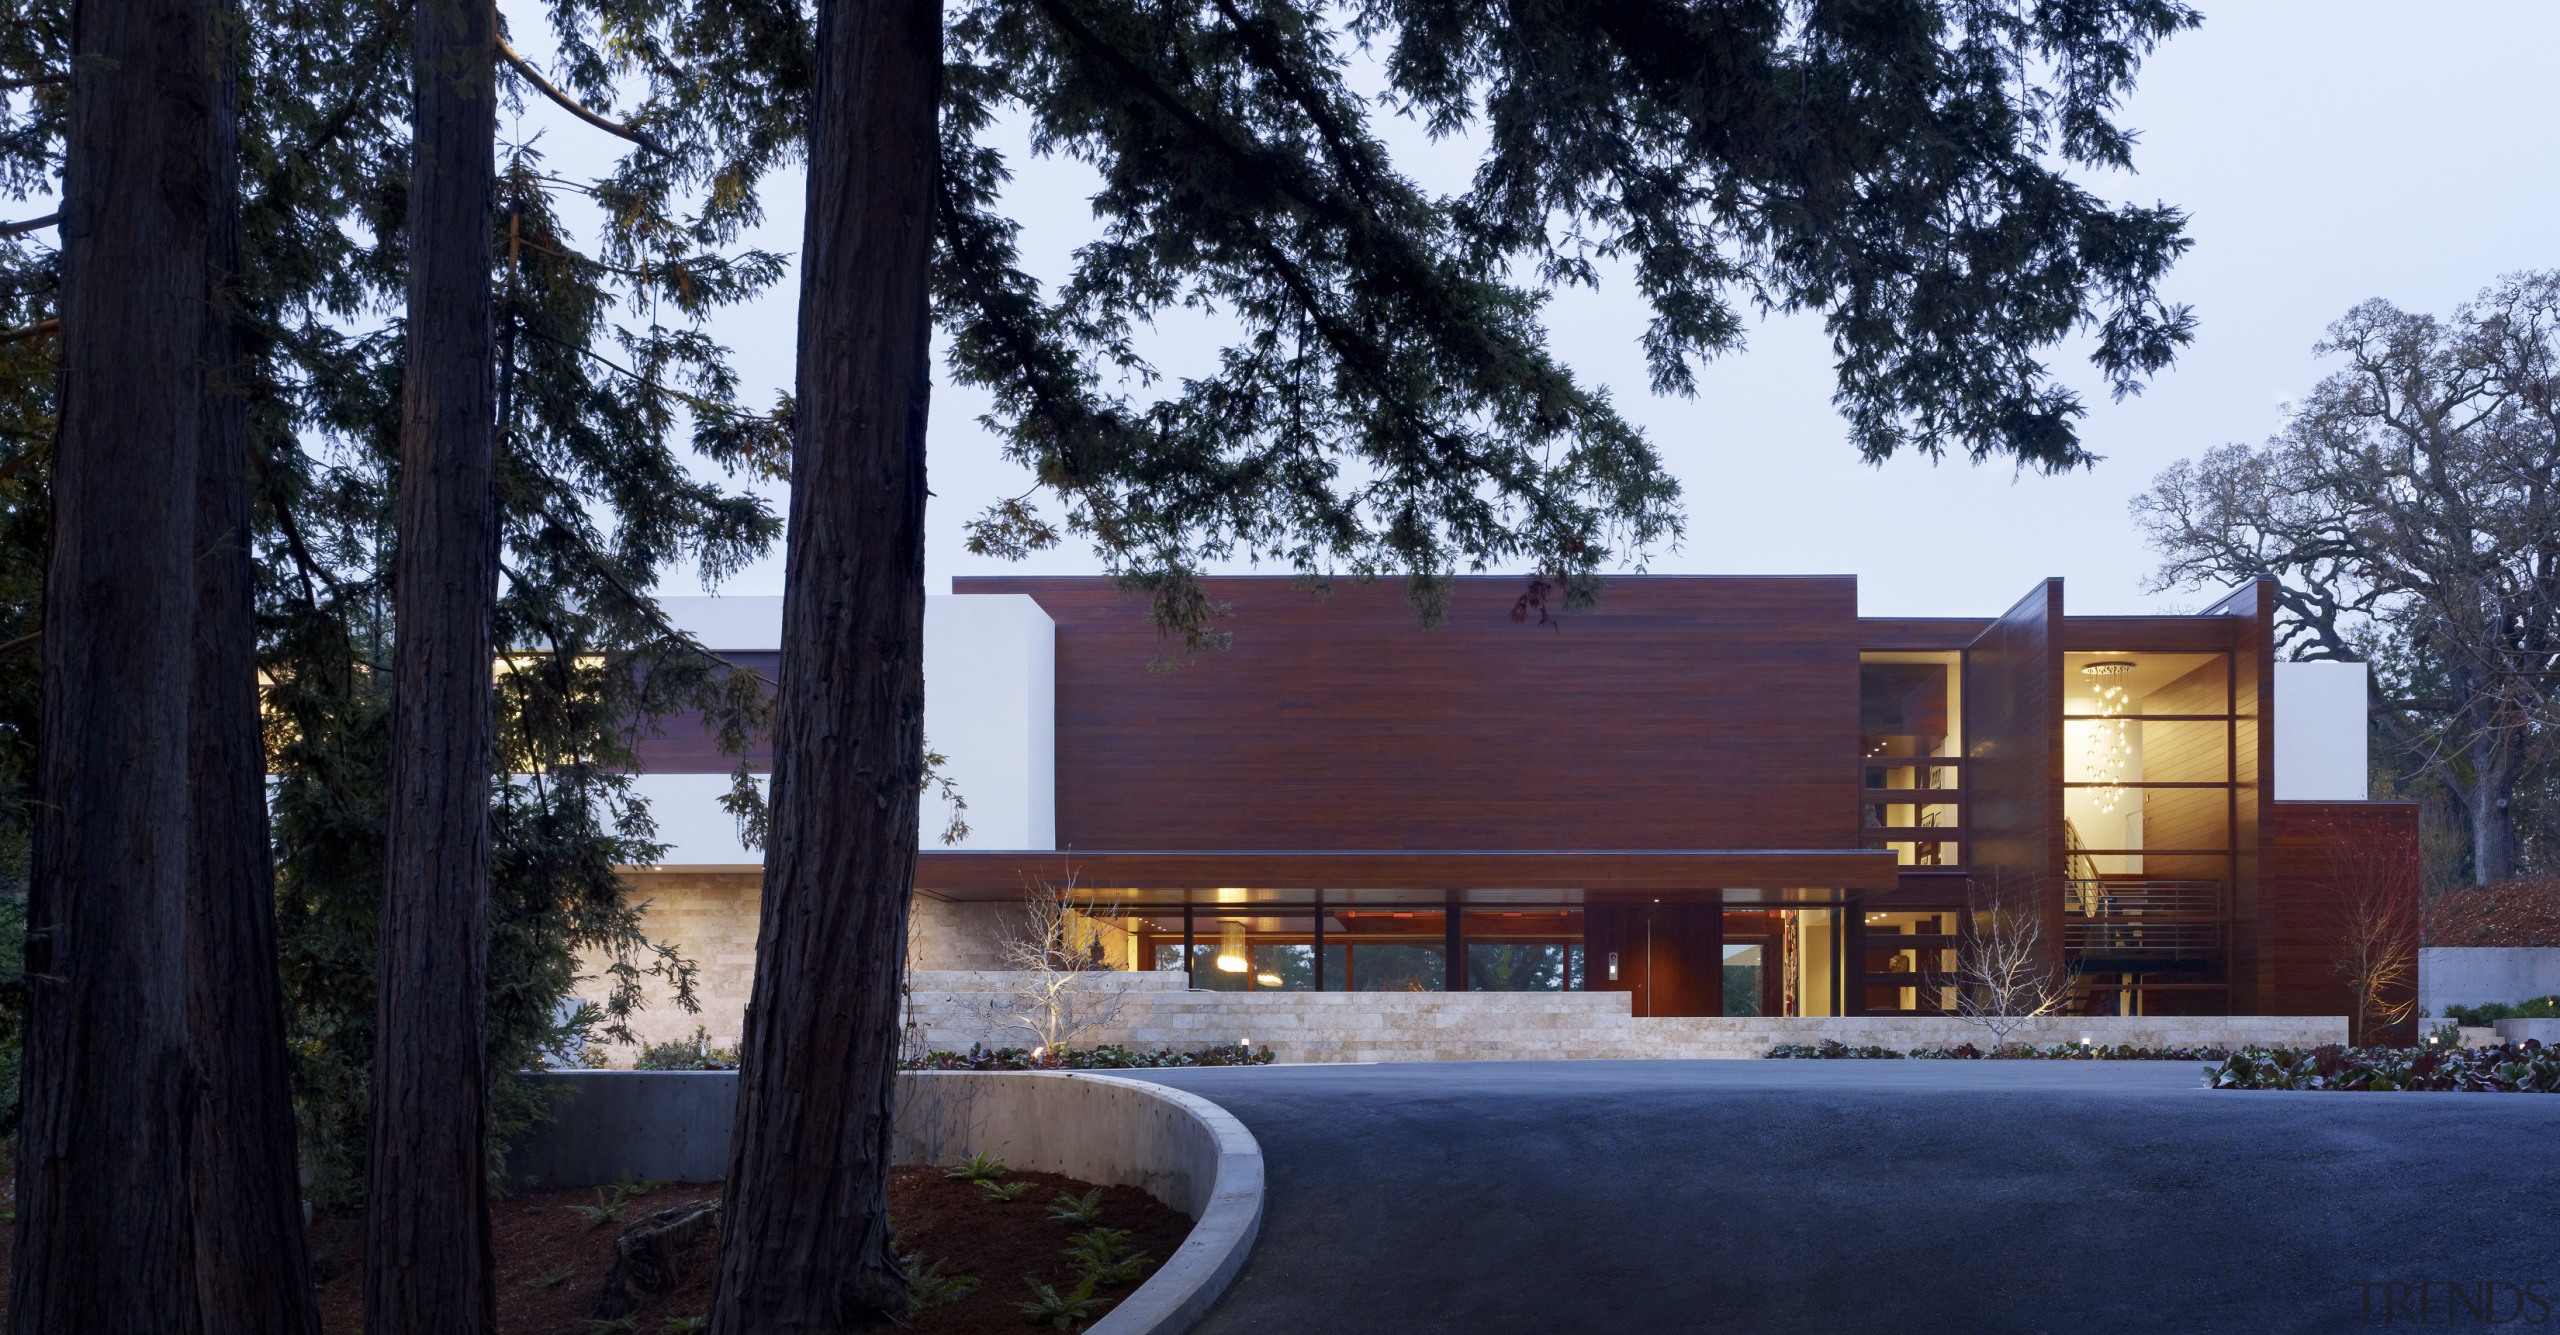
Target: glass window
column 1911, row 710
column 1523, row 950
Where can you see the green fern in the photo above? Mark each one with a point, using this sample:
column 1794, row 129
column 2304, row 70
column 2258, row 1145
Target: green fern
column 547, row 1281
column 980, row 1168
column 608, row 1207
column 687, row 1325
column 1004, row 1192
column 1073, row 1209
column 1060, row 1311
column 1102, row 1255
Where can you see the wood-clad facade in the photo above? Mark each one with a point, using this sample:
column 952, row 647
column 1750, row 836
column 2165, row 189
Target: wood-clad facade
column 1724, row 795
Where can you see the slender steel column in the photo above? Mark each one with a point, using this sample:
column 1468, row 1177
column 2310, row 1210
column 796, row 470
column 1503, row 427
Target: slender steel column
column 1453, row 974
column 1319, row 939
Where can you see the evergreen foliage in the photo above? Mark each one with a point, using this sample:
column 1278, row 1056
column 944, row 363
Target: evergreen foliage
column 1389, row 405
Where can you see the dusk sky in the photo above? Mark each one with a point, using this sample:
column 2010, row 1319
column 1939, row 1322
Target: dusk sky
column 2328, row 153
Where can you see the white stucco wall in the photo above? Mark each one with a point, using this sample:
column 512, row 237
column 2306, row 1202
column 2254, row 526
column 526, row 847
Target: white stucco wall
column 990, row 709
column 2320, row 732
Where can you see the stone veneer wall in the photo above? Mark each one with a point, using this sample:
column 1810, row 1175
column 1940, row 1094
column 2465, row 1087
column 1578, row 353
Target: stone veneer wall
column 710, row 917
column 951, row 1011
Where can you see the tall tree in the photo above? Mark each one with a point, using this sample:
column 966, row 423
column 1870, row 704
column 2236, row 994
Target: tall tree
column 426, row 1266
column 1388, row 405
column 102, row 1204
column 252, row 1265
column 2409, row 513
column 849, row 717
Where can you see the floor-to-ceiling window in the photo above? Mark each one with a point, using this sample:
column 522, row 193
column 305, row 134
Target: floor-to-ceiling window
column 1911, row 736
column 2147, row 804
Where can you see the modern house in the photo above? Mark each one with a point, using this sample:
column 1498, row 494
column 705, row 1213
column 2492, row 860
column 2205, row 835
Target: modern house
column 1719, row 795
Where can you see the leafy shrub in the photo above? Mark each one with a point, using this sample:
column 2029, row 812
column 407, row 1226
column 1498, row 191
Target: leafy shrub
column 2489, row 1013
column 1108, row 1057
column 687, row 1054
column 2529, row 1068
column 2122, row 1052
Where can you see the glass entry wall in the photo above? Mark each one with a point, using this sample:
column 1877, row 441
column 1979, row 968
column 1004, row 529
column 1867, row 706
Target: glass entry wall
column 1775, row 961
column 2148, row 806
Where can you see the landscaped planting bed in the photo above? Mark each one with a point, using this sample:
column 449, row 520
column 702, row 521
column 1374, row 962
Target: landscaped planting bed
column 2083, row 1052
column 2529, row 1068
column 976, row 1242
column 1108, row 1057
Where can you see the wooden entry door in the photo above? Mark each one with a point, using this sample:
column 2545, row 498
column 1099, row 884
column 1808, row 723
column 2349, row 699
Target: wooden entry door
column 1671, row 956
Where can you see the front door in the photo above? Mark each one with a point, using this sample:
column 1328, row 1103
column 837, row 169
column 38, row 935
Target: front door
column 1667, row 955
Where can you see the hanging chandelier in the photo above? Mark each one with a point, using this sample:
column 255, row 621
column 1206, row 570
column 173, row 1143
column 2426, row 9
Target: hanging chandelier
column 2110, row 749
column 1231, row 949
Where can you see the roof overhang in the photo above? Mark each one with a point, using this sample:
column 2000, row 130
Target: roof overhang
column 1702, row 873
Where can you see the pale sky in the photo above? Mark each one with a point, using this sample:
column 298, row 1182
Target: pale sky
column 2328, row 153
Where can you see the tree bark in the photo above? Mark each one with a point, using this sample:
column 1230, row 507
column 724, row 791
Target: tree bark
column 2494, row 774
column 806, row 1227
column 252, row 1263
column 427, row 1261
column 102, row 1226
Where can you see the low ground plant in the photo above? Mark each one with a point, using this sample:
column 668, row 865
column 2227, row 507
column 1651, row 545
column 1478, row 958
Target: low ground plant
column 687, row 1054
column 2121, row 1052
column 1108, row 1057
column 2489, row 1013
column 2527, row 1068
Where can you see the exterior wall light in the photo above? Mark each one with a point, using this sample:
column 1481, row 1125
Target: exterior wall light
column 1613, row 966
column 1231, row 951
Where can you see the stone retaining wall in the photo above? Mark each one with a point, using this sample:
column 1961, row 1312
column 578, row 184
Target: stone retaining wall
column 953, row 1009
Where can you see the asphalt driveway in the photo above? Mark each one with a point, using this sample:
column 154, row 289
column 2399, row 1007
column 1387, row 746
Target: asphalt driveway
column 1897, row 1196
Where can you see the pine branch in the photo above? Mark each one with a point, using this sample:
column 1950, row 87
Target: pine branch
column 31, row 224
column 570, row 104
column 25, row 331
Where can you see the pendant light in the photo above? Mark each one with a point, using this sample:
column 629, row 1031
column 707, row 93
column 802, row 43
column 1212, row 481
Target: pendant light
column 1231, row 951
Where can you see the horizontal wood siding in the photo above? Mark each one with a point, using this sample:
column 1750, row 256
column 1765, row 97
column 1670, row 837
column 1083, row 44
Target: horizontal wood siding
column 681, row 744
column 1690, row 713
column 2320, row 851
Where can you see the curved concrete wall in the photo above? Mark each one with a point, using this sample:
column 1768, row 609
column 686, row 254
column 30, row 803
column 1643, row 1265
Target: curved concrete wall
column 1177, row 1147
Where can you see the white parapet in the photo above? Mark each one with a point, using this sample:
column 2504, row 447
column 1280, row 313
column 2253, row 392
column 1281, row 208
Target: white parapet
column 990, row 671
column 990, row 710
column 2320, row 732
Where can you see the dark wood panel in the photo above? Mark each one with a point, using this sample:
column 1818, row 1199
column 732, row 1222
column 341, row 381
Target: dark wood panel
column 1680, row 713
column 1670, row 956
column 681, row 744
column 2250, row 612
column 2159, row 635
column 2320, row 853
column 2013, row 732
column 1919, row 634
column 1668, row 873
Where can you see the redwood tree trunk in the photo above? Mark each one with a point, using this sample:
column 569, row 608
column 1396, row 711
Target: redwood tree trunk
column 102, row 1227
column 427, row 1263
column 252, row 1265
column 806, row 1227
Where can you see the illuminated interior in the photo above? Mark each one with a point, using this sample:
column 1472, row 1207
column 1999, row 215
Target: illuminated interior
column 1911, row 714
column 2148, row 809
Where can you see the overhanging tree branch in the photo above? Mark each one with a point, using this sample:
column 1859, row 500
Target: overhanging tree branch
column 571, row 105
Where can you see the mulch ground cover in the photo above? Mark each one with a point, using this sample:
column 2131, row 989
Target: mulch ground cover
column 553, row 1252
